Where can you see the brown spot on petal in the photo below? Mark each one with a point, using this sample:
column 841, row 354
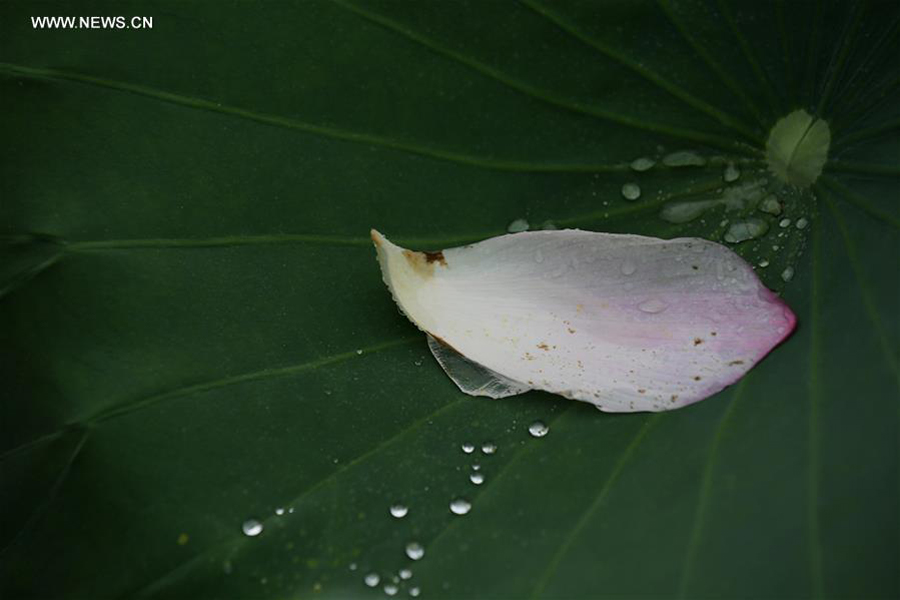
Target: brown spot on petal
column 570, row 330
column 674, row 398
column 735, row 362
column 543, row 346
column 436, row 256
column 423, row 262
column 642, row 391
column 697, row 341
column 696, row 378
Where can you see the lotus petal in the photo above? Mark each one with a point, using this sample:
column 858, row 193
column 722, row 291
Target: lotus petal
column 626, row 322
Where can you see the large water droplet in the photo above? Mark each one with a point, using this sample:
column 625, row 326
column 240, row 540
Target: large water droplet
column 517, row 226
column 801, row 223
column 631, row 191
column 538, row 429
column 279, row 511
column 642, row 164
column 746, row 230
column 414, row 592
column 731, row 173
column 784, row 223
column 372, row 579
column 628, row 267
column 653, row 306
column 682, row 212
column 460, row 506
column 405, row 574
column 683, row 158
column 488, row 448
column 771, row 205
column 797, row 148
column 252, row 527
column 468, row 448
column 414, row 550
column 788, row 274
column 391, row 589
column 399, row 510
column 477, row 478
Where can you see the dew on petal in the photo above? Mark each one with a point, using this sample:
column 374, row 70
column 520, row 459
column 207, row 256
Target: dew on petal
column 653, row 306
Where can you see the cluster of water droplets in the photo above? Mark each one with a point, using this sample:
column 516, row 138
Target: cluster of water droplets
column 762, row 215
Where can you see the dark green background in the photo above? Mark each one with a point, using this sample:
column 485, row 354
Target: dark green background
column 186, row 278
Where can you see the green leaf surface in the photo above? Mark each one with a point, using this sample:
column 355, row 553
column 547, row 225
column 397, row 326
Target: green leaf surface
column 194, row 330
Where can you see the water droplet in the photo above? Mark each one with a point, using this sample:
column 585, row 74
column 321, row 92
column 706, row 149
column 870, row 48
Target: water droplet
column 359, row 351
column 764, row 263
column 801, row 223
column 788, row 274
column 684, row 158
column 538, row 256
column 460, row 506
column 488, row 448
column 279, row 511
column 517, row 226
column 549, row 226
column 653, row 306
column 414, row 550
column 631, row 191
column 476, row 467
column 538, row 429
column 418, row 362
column 628, row 267
column 477, row 478
column 771, row 205
column 390, row 589
column 414, row 592
column 682, row 212
column 468, row 448
column 372, row 579
column 732, row 173
column 352, row 566
column 405, row 573
column 784, row 223
column 746, row 230
column 399, row 510
column 252, row 527
column 642, row 164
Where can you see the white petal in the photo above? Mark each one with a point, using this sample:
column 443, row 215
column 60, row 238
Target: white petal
column 626, row 322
